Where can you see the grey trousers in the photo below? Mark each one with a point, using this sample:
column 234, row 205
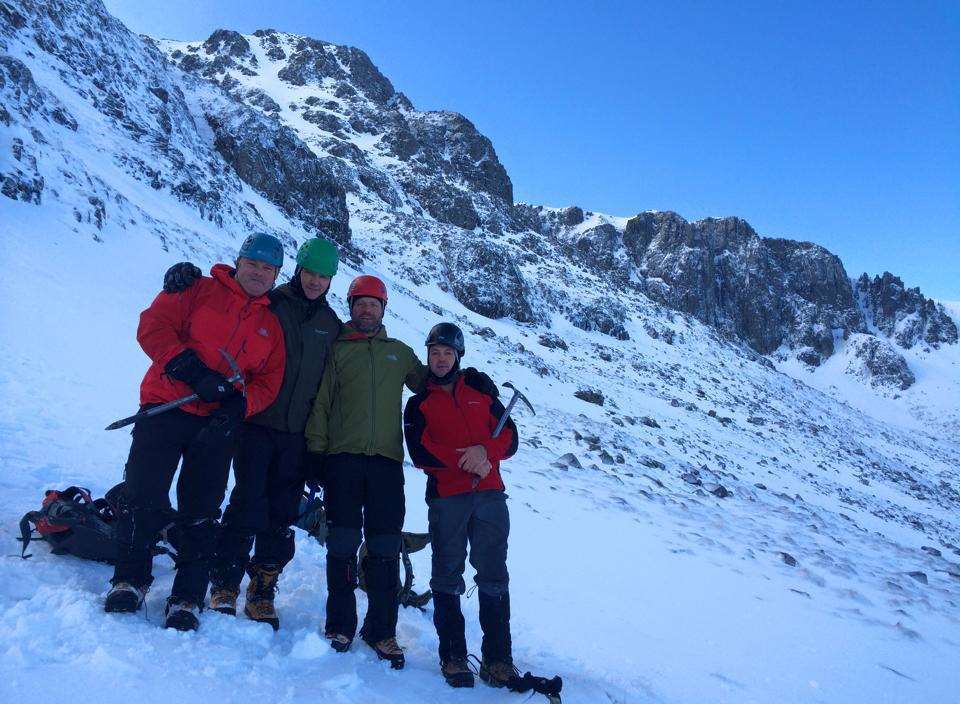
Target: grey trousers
column 481, row 519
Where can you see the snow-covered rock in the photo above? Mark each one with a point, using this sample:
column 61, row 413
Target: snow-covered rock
column 903, row 314
column 875, row 360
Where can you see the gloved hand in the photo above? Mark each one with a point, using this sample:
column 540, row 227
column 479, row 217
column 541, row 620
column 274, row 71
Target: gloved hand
column 180, row 277
column 478, row 380
column 209, row 385
column 224, row 422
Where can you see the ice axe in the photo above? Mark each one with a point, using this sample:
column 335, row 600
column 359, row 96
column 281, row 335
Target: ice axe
column 170, row 405
column 517, row 396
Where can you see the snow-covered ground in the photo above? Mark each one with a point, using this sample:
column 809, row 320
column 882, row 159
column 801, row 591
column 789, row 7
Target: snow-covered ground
column 632, row 583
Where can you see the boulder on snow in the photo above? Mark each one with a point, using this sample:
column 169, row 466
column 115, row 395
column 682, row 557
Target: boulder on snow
column 552, row 341
column 590, row 396
column 568, row 460
column 788, row 559
column 604, row 315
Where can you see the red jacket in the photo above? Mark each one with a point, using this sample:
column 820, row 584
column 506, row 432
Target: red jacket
column 436, row 423
column 213, row 313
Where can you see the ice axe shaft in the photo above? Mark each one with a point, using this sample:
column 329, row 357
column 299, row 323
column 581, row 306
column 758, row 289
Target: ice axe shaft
column 517, row 395
column 237, row 377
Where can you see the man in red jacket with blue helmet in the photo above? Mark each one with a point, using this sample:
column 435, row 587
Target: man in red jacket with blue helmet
column 185, row 335
column 449, row 433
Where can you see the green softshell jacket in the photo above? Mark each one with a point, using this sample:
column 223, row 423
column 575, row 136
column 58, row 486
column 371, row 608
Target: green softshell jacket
column 357, row 409
column 310, row 329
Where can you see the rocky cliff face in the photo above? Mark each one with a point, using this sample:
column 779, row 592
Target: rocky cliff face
column 434, row 162
column 780, row 296
column 321, row 135
column 142, row 116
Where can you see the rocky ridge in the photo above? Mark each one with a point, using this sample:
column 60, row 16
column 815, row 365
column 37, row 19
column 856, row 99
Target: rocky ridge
column 320, row 134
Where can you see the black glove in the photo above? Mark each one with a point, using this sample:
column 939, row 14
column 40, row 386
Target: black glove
column 478, row 380
column 180, row 277
column 209, row 385
column 223, row 422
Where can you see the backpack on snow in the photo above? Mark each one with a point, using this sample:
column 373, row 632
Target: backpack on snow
column 74, row 523
column 313, row 519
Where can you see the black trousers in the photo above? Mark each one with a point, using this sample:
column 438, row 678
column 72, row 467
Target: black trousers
column 480, row 519
column 159, row 444
column 264, row 503
column 363, row 493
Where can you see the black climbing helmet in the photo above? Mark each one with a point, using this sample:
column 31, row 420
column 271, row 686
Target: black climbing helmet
column 447, row 334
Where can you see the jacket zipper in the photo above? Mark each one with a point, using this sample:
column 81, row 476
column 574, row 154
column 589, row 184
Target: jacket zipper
column 373, row 393
column 466, row 424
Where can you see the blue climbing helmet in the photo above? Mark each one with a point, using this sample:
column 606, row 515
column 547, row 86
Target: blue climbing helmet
column 263, row 248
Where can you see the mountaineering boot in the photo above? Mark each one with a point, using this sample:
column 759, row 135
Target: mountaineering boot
column 260, row 593
column 497, row 673
column 224, row 600
column 388, row 649
column 456, row 672
column 339, row 642
column 124, row 598
column 182, row 615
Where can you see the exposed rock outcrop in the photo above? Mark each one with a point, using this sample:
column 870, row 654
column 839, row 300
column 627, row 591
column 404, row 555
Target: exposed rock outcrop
column 877, row 362
column 904, row 314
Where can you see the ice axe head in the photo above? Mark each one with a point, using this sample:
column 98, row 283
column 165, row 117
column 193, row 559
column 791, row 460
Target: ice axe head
column 235, row 368
column 517, row 394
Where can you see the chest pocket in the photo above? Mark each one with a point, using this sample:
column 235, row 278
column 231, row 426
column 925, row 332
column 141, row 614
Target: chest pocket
column 256, row 338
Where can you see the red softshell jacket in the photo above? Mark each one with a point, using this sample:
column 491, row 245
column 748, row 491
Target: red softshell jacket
column 214, row 313
column 436, row 423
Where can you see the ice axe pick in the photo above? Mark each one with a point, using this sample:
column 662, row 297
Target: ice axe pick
column 170, row 405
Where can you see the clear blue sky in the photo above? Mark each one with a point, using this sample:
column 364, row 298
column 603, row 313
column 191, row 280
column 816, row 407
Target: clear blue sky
column 833, row 122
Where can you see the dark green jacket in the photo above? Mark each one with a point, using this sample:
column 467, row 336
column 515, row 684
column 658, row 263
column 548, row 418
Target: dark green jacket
column 309, row 330
column 357, row 409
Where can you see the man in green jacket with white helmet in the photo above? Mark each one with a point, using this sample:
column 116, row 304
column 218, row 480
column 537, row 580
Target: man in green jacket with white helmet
column 270, row 462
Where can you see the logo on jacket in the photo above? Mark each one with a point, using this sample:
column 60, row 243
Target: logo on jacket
column 392, row 357
column 319, row 331
column 263, row 332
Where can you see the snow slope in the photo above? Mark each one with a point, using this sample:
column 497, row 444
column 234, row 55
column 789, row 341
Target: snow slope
column 667, row 593
column 716, row 531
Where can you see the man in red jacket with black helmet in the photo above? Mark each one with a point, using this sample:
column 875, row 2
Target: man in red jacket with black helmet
column 449, row 433
column 185, row 335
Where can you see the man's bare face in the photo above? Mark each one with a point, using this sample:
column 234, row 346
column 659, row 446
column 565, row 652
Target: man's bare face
column 366, row 314
column 441, row 359
column 255, row 277
column 313, row 285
